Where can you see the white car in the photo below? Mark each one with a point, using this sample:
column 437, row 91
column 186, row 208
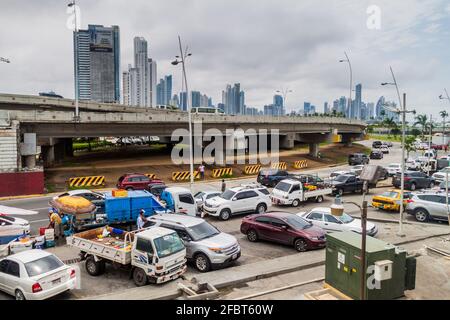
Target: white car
column 322, row 217
column 201, row 196
column 12, row 227
column 394, row 168
column 357, row 169
column 84, row 193
column 335, row 174
column 384, row 149
column 238, row 200
column 440, row 176
column 35, row 275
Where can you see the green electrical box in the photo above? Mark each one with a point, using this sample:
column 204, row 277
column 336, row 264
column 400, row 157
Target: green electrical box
column 389, row 271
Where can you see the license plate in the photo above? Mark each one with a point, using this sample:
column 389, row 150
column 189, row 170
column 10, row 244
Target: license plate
column 56, row 281
column 234, row 256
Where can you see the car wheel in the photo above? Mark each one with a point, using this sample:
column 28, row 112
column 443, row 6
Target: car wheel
column 431, row 185
column 252, row 236
column 319, row 199
column 19, row 295
column 139, row 277
column 261, row 208
column 413, row 186
column 421, row 215
column 300, row 245
column 225, row 214
column 202, row 263
column 129, row 189
column 94, row 268
column 295, row 203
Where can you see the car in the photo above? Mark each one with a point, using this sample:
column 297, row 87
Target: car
column 442, row 185
column 376, row 144
column 238, row 200
column 35, row 275
column 347, row 183
column 357, row 169
column 357, row 158
column 12, row 227
column 136, row 181
column 97, row 198
column 376, row 154
column 413, row 180
column 201, row 196
column 412, row 164
column 389, row 144
column 321, row 217
column 309, row 179
column 384, row 149
column 390, row 200
column 440, row 176
column 284, row 228
column 430, row 153
column 393, row 169
column 335, row 174
column 447, row 157
column 427, row 206
column 206, row 246
column 270, row 177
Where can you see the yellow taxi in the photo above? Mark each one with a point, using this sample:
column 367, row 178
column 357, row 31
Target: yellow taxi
column 390, row 200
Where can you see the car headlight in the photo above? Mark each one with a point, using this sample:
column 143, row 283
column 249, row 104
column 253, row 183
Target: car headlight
column 216, row 250
column 314, row 238
column 285, row 197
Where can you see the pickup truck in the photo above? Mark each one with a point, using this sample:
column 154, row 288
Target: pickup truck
column 293, row 192
column 153, row 254
column 347, row 183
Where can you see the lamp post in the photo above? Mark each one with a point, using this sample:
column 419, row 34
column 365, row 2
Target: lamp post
column 402, row 110
column 337, row 208
column 284, row 93
column 347, row 59
column 182, row 59
column 77, row 110
column 444, row 114
column 4, row 60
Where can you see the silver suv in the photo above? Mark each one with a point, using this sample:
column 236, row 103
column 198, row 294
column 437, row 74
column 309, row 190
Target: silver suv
column 428, row 205
column 206, row 247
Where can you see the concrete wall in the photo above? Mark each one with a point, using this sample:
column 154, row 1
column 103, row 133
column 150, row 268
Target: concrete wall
column 21, row 183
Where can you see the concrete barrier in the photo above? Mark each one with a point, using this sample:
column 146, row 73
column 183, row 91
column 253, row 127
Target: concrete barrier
column 218, row 173
column 279, row 165
column 90, row 181
column 300, row 164
column 150, row 175
column 252, row 169
column 184, row 175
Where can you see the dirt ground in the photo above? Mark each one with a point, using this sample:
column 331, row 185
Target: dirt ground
column 113, row 163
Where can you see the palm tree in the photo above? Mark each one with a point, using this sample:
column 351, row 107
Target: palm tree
column 390, row 124
column 422, row 121
column 444, row 114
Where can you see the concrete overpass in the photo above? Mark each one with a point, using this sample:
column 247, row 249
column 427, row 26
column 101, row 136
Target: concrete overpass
column 30, row 125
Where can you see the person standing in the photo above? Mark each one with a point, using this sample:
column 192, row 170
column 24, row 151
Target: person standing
column 201, row 168
column 224, row 186
column 55, row 223
column 141, row 220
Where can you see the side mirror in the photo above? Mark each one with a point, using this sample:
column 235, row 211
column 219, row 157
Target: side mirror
column 234, row 199
column 284, row 227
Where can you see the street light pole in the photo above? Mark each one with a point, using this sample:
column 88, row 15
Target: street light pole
column 347, row 59
column 77, row 109
column 4, row 60
column 183, row 56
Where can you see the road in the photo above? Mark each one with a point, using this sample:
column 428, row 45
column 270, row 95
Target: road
column 251, row 252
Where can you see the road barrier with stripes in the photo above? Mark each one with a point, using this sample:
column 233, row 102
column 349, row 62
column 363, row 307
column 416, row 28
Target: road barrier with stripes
column 218, row 173
column 150, row 175
column 184, row 175
column 279, row 165
column 252, row 169
column 91, row 181
column 300, row 164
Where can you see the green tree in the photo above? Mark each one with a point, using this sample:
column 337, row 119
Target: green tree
column 422, row 121
column 444, row 115
column 409, row 145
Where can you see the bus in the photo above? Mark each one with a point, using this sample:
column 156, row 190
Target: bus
column 206, row 110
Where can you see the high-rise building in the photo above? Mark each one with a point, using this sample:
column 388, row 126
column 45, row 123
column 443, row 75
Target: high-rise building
column 195, row 99
column 326, row 109
column 306, row 108
column 183, row 101
column 343, row 106
column 126, row 87
column 370, row 110
column 233, row 99
column 335, row 106
column 97, row 63
column 164, row 91
column 152, row 74
column 356, row 107
column 379, row 107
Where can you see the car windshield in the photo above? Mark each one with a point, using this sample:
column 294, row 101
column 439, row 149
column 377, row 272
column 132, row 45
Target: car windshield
column 341, row 178
column 202, row 231
column 390, row 194
column 8, row 218
column 198, row 195
column 168, row 244
column 345, row 218
column 267, row 172
column 227, row 195
column 394, row 165
column 283, row 186
column 43, row 265
column 298, row 223
column 442, row 185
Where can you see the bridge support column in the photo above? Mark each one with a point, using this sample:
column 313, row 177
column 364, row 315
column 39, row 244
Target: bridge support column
column 314, row 149
column 287, row 141
column 48, row 155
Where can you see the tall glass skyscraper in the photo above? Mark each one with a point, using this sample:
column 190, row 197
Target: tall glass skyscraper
column 97, row 57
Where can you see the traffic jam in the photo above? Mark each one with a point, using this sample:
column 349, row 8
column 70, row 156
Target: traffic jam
column 156, row 232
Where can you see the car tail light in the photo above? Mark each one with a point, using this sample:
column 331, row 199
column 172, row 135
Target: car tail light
column 407, row 178
column 409, row 201
column 72, row 273
column 159, row 267
column 36, row 287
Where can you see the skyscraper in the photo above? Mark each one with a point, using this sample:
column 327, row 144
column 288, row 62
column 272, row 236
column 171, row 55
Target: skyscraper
column 233, row 99
column 379, row 107
column 152, row 73
column 195, row 99
column 306, row 108
column 97, row 55
column 164, row 91
column 356, row 108
column 326, row 109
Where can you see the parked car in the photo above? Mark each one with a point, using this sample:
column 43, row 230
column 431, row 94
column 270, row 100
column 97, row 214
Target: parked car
column 357, row 169
column 357, row 158
column 389, row 144
column 384, row 149
column 347, row 183
column 440, row 175
column 309, row 179
column 414, row 180
column 206, row 246
column 35, row 275
column 412, row 164
column 428, row 206
column 430, row 153
column 376, row 154
column 321, row 217
column 284, row 228
column 97, row 198
column 136, row 181
column 393, row 169
column 443, row 187
column 201, row 196
column 238, row 200
column 376, row 144
column 336, row 174
column 390, row 200
column 270, row 177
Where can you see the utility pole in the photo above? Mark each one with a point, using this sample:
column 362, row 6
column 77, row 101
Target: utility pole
column 77, row 86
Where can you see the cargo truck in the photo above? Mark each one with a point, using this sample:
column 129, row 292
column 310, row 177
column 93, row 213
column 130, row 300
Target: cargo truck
column 152, row 254
column 293, row 192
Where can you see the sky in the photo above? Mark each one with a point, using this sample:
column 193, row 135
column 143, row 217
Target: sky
column 264, row 45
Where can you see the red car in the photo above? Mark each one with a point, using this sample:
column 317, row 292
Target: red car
column 284, row 228
column 136, row 181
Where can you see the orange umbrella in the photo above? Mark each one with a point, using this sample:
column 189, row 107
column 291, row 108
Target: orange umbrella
column 73, row 205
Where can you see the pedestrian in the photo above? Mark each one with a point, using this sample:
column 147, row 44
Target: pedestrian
column 55, row 223
column 201, row 168
column 141, row 220
column 224, row 186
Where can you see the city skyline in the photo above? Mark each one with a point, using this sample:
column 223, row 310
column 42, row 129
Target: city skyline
column 412, row 38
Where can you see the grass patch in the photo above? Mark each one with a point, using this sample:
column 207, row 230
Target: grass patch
column 383, row 137
column 50, row 187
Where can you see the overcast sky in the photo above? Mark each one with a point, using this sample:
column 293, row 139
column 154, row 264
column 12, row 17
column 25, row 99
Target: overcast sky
column 264, row 45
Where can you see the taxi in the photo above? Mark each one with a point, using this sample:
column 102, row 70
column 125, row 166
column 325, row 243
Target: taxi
column 390, row 200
